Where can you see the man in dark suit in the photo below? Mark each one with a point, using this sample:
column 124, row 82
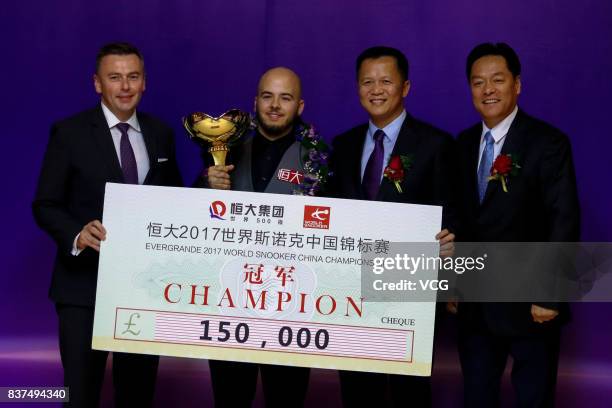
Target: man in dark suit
column 359, row 157
column 109, row 143
column 537, row 204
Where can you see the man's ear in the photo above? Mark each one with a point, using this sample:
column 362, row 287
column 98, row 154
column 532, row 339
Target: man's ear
column 405, row 88
column 97, row 84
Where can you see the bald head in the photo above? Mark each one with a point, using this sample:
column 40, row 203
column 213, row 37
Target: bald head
column 281, row 75
column 278, row 102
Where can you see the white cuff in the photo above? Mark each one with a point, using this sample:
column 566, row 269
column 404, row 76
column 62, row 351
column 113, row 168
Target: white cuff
column 75, row 251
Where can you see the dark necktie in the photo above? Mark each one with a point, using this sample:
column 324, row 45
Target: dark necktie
column 128, row 160
column 373, row 170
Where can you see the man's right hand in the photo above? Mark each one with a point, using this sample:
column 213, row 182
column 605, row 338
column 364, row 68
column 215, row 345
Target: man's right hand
column 91, row 235
column 219, row 178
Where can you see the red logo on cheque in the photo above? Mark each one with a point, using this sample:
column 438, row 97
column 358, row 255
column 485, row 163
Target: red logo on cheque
column 316, row 217
column 217, row 210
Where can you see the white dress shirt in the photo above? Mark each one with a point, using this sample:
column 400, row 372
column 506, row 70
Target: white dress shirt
column 136, row 140
column 391, row 133
column 499, row 133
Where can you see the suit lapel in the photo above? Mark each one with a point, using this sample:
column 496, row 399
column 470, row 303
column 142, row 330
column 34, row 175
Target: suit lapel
column 472, row 166
column 148, row 134
column 406, row 144
column 291, row 159
column 103, row 138
column 354, row 159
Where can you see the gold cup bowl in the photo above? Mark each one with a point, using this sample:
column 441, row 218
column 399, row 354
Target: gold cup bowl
column 217, row 133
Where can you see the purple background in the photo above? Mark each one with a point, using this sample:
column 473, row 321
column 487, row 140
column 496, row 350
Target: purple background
column 208, row 56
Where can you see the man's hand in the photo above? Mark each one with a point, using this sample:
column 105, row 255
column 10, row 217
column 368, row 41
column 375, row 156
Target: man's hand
column 91, row 235
column 219, row 178
column 452, row 306
column 447, row 243
column 541, row 314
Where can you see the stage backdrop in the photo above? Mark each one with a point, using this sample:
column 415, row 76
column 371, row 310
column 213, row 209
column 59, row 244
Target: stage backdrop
column 208, row 55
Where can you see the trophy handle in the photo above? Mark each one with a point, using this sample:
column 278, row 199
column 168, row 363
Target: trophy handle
column 219, row 154
column 187, row 127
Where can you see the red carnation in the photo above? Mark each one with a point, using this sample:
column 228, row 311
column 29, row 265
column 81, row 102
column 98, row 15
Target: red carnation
column 394, row 174
column 502, row 165
column 396, row 168
column 395, row 163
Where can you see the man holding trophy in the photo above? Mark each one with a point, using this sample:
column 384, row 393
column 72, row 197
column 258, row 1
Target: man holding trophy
column 282, row 155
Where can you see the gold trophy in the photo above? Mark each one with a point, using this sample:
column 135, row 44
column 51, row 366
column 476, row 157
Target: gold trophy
column 220, row 132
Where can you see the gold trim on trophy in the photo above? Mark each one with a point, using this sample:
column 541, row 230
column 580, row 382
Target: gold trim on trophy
column 217, row 133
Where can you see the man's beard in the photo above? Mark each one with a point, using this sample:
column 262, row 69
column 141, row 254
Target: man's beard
column 274, row 130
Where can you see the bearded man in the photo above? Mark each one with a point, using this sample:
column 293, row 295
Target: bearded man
column 261, row 164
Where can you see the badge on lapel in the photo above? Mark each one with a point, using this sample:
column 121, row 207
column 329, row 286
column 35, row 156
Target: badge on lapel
column 290, row 176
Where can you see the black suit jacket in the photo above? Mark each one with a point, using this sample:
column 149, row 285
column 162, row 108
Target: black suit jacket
column 80, row 159
column 541, row 205
column 429, row 181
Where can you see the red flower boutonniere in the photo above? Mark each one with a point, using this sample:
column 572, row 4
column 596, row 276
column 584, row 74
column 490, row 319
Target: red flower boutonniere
column 396, row 169
column 503, row 167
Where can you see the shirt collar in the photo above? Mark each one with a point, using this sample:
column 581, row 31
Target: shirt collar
column 391, row 130
column 498, row 132
column 112, row 120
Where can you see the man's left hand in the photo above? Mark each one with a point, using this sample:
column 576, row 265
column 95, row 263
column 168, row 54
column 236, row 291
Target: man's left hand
column 447, row 243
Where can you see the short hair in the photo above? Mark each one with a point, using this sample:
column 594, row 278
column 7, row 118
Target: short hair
column 501, row 49
column 117, row 48
column 381, row 51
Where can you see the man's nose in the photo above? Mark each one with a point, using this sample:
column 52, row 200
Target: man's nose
column 489, row 88
column 125, row 83
column 377, row 88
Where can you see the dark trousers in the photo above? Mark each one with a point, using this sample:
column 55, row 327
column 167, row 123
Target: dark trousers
column 361, row 389
column 234, row 384
column 483, row 358
column 134, row 375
